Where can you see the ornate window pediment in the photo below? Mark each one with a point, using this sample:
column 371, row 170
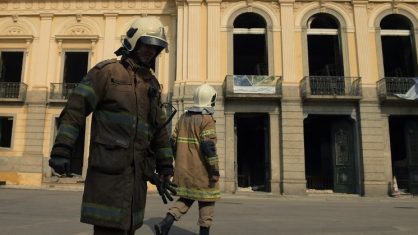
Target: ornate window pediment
column 16, row 32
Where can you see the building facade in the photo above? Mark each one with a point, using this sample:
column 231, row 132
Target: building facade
column 307, row 90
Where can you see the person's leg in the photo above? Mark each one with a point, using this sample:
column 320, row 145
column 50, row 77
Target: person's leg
column 179, row 208
column 206, row 212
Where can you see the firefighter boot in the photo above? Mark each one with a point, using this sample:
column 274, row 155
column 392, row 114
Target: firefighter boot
column 204, row 231
column 164, row 226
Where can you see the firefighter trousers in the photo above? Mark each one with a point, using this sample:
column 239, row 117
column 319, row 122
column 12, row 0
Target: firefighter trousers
column 206, row 211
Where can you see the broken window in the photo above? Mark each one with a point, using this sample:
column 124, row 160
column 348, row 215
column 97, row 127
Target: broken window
column 6, row 125
column 11, row 64
column 324, row 46
column 11, row 67
column 399, row 57
column 75, row 67
column 250, row 47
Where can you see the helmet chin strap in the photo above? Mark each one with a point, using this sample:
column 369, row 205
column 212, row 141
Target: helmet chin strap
column 122, row 51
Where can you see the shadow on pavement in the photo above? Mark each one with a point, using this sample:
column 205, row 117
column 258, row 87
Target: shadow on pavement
column 174, row 229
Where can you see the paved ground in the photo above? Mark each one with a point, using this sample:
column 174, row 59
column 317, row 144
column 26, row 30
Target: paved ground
column 44, row 212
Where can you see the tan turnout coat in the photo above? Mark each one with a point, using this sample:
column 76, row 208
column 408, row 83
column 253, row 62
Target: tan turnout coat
column 192, row 168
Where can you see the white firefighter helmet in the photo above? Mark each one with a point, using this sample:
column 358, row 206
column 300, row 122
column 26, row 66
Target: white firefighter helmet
column 148, row 30
column 204, row 99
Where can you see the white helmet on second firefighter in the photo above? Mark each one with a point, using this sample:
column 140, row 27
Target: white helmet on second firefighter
column 148, row 30
column 204, row 99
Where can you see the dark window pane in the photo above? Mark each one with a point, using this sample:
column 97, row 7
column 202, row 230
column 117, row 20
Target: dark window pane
column 6, row 125
column 11, row 63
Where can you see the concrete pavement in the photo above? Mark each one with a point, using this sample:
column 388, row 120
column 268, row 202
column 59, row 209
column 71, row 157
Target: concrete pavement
column 56, row 211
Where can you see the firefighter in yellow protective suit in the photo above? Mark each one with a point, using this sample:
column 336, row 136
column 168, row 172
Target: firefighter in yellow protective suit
column 196, row 162
column 129, row 142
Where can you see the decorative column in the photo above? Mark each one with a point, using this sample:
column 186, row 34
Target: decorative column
column 194, row 40
column 293, row 162
column 34, row 161
column 371, row 121
column 275, row 163
column 40, row 77
column 230, row 156
column 214, row 18
column 109, row 35
column 288, row 39
column 363, row 48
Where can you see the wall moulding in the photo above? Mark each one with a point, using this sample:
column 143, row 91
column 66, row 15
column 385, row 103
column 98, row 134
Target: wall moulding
column 25, row 5
column 92, row 39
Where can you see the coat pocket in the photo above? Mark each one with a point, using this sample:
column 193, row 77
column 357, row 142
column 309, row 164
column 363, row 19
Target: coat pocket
column 109, row 155
column 121, row 85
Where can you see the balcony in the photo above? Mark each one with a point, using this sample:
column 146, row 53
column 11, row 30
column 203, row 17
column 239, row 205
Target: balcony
column 253, row 87
column 389, row 86
column 330, row 88
column 60, row 92
column 13, row 91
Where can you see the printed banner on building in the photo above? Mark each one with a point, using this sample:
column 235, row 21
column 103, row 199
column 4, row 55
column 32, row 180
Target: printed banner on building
column 260, row 84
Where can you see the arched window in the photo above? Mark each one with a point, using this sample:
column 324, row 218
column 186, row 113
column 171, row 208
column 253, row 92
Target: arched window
column 324, row 46
column 250, row 45
column 399, row 57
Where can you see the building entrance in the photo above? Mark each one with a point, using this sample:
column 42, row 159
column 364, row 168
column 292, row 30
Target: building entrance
column 252, row 148
column 329, row 153
column 404, row 151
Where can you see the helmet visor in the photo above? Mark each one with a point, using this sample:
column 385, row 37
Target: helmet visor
column 153, row 41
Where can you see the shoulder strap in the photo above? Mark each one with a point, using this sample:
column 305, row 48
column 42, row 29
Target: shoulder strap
column 103, row 63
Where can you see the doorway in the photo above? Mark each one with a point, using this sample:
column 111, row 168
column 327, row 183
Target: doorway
column 330, row 153
column 252, row 148
column 404, row 151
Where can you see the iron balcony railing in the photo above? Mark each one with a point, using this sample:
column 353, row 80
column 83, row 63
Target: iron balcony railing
column 61, row 91
column 13, row 91
column 253, row 86
column 389, row 86
column 330, row 87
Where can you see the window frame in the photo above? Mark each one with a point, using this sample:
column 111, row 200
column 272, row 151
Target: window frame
column 62, row 67
column 24, row 51
column 12, row 134
column 341, row 32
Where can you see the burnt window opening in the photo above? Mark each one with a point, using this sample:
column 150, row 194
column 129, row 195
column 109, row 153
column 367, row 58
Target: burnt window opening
column 323, row 21
column 324, row 46
column 398, row 49
column 11, row 66
column 249, row 20
column 250, row 45
column 75, row 66
column 6, row 126
column 395, row 21
column 252, row 148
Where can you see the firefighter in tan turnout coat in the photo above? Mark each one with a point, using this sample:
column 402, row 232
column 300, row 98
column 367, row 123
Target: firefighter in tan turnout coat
column 196, row 162
column 128, row 139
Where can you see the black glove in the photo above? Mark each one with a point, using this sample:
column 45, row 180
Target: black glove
column 60, row 160
column 164, row 186
column 61, row 165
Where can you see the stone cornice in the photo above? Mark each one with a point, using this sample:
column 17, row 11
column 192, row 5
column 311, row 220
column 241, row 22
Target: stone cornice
column 194, row 2
column 286, row 1
column 92, row 7
column 78, row 37
column 360, row 2
column 213, row 1
column 28, row 38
